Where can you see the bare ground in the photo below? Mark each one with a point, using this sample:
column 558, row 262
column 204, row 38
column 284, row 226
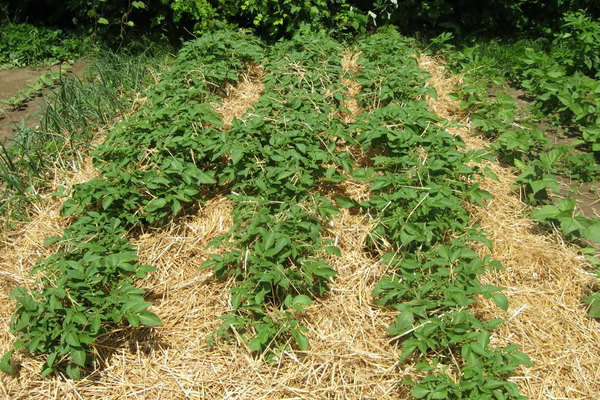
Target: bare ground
column 13, row 80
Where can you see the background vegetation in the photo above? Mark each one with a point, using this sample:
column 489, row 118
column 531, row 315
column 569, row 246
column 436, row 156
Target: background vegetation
column 274, row 18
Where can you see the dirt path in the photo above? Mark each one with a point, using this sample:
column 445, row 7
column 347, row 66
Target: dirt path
column 13, row 80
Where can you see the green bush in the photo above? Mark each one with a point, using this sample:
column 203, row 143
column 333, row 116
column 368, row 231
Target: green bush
column 271, row 18
column 277, row 18
column 577, row 44
column 473, row 16
column 25, row 44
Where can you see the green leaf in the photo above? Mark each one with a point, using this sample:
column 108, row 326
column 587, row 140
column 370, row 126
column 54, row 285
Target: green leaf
column 570, row 226
column 78, row 357
column 299, row 302
column 255, row 344
column 107, row 201
column 80, row 319
column 175, row 206
column 519, row 164
column 544, row 213
column 522, row 358
column 155, row 204
column 403, row 323
column 419, row 392
column 73, row 371
column 325, row 273
column 302, row 299
column 346, row 202
column 203, row 177
column 501, row 300
column 72, row 339
column 538, row 185
column 5, row 364
column 300, row 339
column 236, row 299
column 594, row 310
column 148, row 318
column 95, row 325
column 133, row 320
column 70, row 207
column 236, row 154
column 594, row 302
column 505, row 100
column 51, row 358
column 592, row 230
column 102, row 21
column 333, row 251
column 442, row 394
column 55, row 304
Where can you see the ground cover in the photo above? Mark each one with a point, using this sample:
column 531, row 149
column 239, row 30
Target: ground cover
column 339, row 184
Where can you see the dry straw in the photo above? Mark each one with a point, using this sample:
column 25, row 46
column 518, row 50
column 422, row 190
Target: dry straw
column 242, row 95
column 353, row 88
column 545, row 278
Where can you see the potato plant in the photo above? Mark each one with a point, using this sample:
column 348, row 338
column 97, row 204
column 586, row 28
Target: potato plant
column 87, row 287
column 273, row 164
column 420, row 181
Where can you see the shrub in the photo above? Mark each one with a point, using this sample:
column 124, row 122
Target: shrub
column 577, row 44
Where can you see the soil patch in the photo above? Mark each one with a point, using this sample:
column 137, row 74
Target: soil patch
column 587, row 195
column 13, row 80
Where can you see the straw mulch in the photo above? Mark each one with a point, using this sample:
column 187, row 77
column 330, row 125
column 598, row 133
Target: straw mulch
column 246, row 92
column 545, row 278
column 350, row 355
column 353, row 88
